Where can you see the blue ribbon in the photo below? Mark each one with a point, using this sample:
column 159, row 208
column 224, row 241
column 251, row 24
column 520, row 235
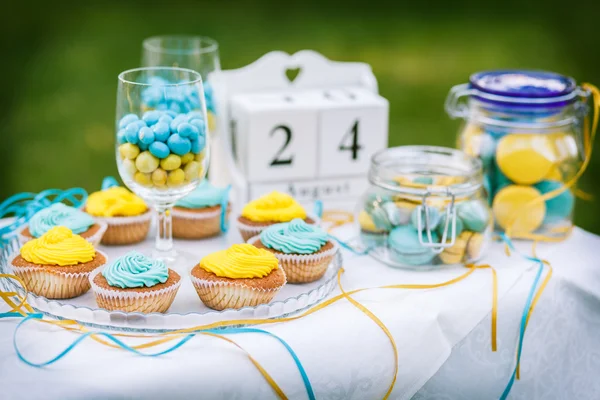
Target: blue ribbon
column 178, row 344
column 318, row 208
column 224, row 203
column 525, row 311
column 109, row 182
column 24, row 205
column 350, row 248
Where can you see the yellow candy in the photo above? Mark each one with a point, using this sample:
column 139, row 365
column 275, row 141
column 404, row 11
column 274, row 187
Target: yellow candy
column 525, row 158
column 200, row 156
column 143, row 179
column 129, row 151
column 187, row 158
column 212, row 121
column 366, row 222
column 170, row 163
column 146, row 162
column 511, row 206
column 176, row 177
column 192, row 170
column 471, row 140
column 129, row 167
column 159, row 177
column 554, row 174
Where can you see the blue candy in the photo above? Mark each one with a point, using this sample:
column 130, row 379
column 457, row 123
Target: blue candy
column 159, row 149
column 151, row 117
column 198, row 145
column 187, row 131
column 434, row 218
column 171, row 114
column 143, row 146
column 126, row 120
column 179, row 145
column 199, row 123
column 167, row 119
column 194, row 115
column 406, row 248
column 146, row 135
column 557, row 208
column 131, row 132
column 121, row 136
column 176, row 121
column 161, row 131
column 175, row 107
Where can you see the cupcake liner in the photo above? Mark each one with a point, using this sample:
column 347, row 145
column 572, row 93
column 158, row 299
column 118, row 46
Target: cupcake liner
column 221, row 295
column 248, row 231
column 94, row 239
column 303, row 268
column 54, row 284
column 130, row 301
column 197, row 225
column 126, row 230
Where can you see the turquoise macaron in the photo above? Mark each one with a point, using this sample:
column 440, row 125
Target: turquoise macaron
column 406, row 249
column 474, row 214
column 559, row 207
column 432, row 222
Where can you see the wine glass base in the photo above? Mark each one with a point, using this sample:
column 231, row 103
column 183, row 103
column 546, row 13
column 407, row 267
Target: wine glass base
column 180, row 261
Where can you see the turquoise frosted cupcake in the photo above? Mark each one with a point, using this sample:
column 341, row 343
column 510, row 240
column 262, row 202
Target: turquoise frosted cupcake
column 203, row 213
column 304, row 251
column 59, row 214
column 135, row 283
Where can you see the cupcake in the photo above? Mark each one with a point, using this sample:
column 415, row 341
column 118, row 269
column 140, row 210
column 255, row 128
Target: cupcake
column 270, row 209
column 59, row 214
column 240, row 276
column 203, row 213
column 57, row 265
column 304, row 251
column 135, row 283
column 127, row 216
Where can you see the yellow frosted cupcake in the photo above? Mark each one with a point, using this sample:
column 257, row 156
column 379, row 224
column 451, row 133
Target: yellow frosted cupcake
column 57, row 264
column 240, row 276
column 272, row 208
column 127, row 216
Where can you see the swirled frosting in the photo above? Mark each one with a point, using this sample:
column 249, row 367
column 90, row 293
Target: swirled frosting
column 135, row 270
column 59, row 214
column 240, row 261
column 205, row 195
column 295, row 237
column 113, row 202
column 273, row 207
column 58, row 246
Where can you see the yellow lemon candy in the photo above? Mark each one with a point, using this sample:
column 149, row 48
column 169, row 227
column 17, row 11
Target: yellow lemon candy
column 192, row 171
column 456, row 253
column 187, row 158
column 525, row 158
column 200, row 156
column 142, row 178
column 172, row 162
column 212, row 121
column 129, row 151
column 554, row 174
column 129, row 167
column 176, row 177
column 511, row 209
column 159, row 177
column 146, row 162
column 366, row 222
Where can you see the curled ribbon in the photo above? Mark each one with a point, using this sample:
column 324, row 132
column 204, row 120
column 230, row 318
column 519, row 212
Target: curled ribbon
column 24, row 205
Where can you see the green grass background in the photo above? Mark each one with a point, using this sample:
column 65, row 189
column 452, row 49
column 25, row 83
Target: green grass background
column 60, row 65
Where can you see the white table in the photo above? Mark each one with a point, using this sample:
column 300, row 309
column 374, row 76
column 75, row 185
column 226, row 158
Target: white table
column 443, row 338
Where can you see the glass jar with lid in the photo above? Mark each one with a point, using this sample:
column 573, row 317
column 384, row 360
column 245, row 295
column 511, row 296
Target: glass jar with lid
column 526, row 127
column 425, row 206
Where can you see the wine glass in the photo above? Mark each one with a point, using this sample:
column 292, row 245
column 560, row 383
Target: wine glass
column 199, row 53
column 162, row 143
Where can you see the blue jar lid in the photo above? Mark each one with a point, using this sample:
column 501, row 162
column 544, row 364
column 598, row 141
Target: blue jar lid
column 524, row 88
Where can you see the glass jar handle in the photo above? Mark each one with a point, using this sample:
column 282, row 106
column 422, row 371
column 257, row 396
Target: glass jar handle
column 450, row 220
column 453, row 105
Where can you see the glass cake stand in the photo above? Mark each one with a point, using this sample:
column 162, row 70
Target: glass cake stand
column 187, row 310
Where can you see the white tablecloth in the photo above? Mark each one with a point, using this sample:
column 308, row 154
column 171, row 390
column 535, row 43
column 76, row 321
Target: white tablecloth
column 443, row 338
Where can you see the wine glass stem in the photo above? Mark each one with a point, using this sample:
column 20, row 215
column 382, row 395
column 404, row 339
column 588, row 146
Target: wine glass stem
column 164, row 231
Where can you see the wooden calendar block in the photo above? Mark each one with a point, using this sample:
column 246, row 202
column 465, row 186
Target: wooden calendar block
column 275, row 136
column 353, row 125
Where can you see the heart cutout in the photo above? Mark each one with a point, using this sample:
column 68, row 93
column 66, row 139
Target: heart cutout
column 292, row 73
